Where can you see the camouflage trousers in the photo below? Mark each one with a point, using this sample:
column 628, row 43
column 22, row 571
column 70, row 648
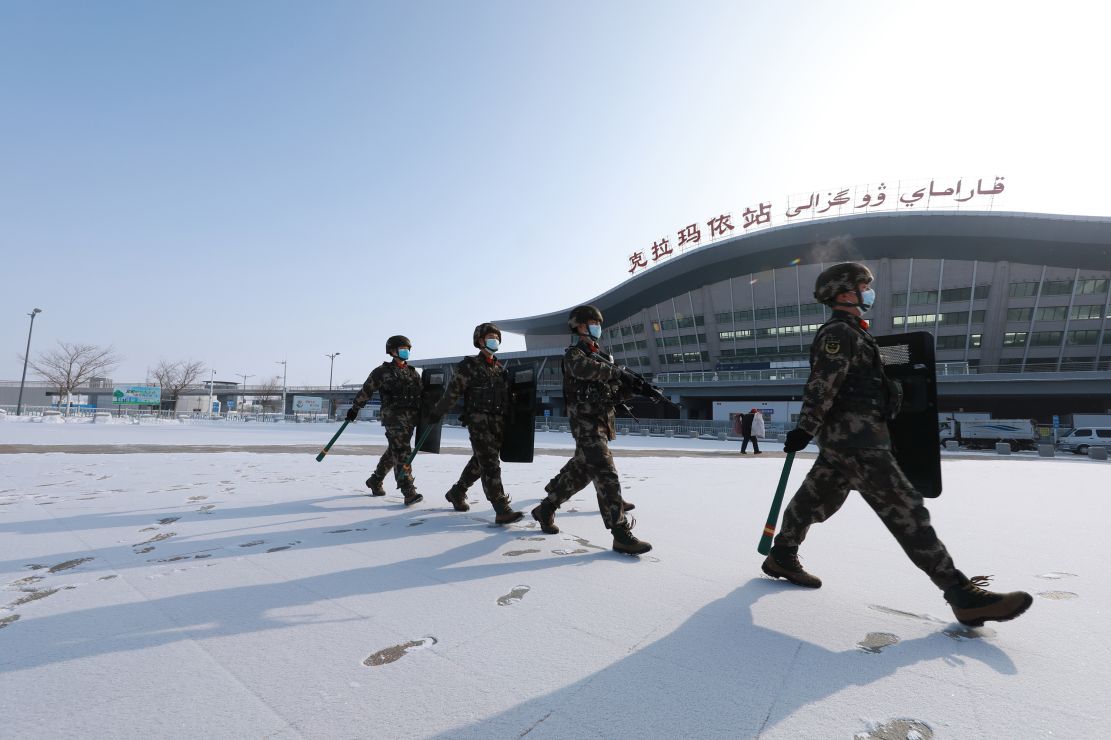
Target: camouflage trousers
column 397, row 452
column 486, row 434
column 592, row 463
column 882, row 484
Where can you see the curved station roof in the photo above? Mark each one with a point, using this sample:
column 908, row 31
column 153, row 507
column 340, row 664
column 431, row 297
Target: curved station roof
column 1029, row 238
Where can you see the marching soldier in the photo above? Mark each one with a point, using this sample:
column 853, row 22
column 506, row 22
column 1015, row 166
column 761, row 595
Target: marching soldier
column 847, row 402
column 399, row 387
column 591, row 388
column 484, row 385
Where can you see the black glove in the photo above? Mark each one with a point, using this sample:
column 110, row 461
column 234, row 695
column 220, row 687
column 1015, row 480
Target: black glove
column 352, row 413
column 797, row 440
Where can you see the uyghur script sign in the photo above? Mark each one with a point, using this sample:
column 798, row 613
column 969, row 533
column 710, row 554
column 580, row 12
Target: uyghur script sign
column 844, row 202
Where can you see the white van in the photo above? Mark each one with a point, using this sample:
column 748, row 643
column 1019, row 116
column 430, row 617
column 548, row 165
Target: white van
column 1080, row 439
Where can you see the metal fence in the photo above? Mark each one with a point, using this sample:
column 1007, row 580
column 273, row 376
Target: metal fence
column 690, row 428
column 137, row 416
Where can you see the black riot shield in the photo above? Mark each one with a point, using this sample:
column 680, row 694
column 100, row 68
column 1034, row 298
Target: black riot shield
column 909, row 359
column 432, row 388
column 520, row 426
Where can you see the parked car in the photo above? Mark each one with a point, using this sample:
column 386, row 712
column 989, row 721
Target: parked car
column 1079, row 440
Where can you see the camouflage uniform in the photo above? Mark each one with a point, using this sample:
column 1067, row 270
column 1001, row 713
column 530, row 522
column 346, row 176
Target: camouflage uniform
column 591, row 388
column 846, row 404
column 399, row 386
column 484, row 385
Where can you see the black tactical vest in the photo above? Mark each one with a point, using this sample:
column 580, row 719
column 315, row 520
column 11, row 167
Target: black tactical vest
column 581, row 390
column 400, row 389
column 488, row 394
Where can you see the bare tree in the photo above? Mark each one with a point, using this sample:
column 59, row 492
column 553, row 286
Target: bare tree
column 174, row 377
column 71, row 366
column 268, row 389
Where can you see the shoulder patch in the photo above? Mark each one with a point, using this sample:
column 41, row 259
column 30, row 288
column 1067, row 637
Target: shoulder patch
column 832, row 345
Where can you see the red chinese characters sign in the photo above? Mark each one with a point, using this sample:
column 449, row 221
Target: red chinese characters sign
column 826, row 204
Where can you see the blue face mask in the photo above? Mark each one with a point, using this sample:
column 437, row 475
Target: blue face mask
column 492, row 345
column 867, row 298
column 403, row 354
column 595, row 330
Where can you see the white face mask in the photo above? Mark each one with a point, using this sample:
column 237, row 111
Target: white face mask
column 595, row 330
column 492, row 345
column 867, row 298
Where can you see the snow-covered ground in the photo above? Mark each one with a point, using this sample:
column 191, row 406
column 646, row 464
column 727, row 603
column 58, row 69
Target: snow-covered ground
column 263, row 595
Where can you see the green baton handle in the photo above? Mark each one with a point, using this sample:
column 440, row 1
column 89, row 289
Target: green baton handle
column 765, row 545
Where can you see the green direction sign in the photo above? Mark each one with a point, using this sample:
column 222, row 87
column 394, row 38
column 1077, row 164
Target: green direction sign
column 137, row 395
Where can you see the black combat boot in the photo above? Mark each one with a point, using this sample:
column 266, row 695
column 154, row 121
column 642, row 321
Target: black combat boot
column 545, row 514
column 411, row 496
column 628, row 505
column 505, row 513
column 375, row 486
column 458, row 498
column 783, row 563
column 973, row 605
column 624, row 540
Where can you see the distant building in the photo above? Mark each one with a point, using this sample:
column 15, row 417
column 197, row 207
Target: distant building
column 1019, row 297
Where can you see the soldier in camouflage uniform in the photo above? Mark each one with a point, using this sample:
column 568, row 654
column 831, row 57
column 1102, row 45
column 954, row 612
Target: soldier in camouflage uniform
column 847, row 403
column 591, row 388
column 399, row 386
column 484, row 385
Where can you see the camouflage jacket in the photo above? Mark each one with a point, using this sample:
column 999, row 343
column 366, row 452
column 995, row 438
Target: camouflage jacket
column 591, row 388
column 484, row 385
column 399, row 387
column 848, row 399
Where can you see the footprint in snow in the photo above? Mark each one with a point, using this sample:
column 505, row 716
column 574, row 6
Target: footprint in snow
column 1055, row 576
column 32, row 595
column 875, row 642
column 515, row 553
column 253, row 543
column 960, row 632
column 68, row 565
column 897, row 729
column 25, row 581
column 396, row 652
column 514, row 595
column 206, row 509
column 1058, row 595
column 158, row 538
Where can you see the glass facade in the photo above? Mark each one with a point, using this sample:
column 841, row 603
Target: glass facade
column 996, row 316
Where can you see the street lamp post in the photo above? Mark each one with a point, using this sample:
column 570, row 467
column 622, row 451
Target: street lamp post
column 331, row 365
column 211, row 382
column 284, row 368
column 243, row 399
column 26, row 356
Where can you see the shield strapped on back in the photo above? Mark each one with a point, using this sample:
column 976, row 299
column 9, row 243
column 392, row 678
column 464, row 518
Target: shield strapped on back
column 432, row 388
column 908, row 359
column 520, row 425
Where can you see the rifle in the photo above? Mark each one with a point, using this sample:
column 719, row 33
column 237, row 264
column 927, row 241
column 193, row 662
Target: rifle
column 636, row 382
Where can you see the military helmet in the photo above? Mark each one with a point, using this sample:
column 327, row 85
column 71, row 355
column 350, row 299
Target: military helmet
column 397, row 341
column 841, row 278
column 583, row 314
column 482, row 330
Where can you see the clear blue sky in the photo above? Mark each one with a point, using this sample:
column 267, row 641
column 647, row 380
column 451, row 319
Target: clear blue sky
column 242, row 182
